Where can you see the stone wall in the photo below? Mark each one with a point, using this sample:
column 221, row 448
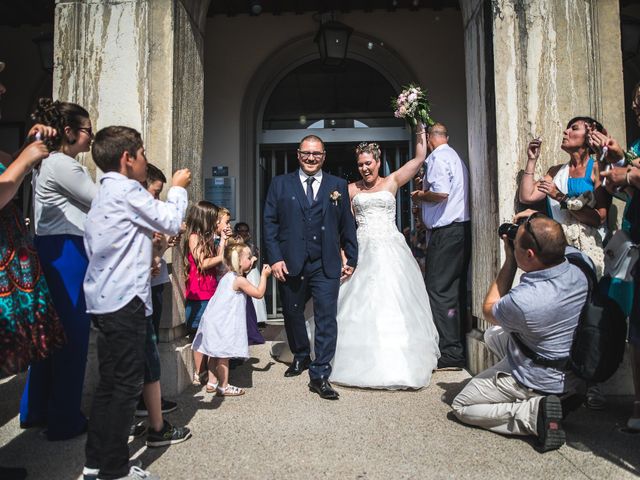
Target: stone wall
column 553, row 60
column 531, row 66
column 140, row 63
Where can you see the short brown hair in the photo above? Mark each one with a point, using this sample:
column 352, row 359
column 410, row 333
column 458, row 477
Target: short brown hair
column 550, row 237
column 154, row 174
column 315, row 138
column 439, row 128
column 111, row 142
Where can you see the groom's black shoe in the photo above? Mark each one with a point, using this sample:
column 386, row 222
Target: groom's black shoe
column 297, row 367
column 323, row 388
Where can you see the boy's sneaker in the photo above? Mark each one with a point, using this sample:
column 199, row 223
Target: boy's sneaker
column 137, row 473
column 549, row 425
column 137, row 430
column 167, row 407
column 169, row 435
column 92, row 473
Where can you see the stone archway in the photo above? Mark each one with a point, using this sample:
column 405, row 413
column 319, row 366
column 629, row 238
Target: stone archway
column 297, row 52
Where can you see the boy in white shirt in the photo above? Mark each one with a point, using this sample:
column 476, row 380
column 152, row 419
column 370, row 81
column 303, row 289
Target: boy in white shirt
column 118, row 241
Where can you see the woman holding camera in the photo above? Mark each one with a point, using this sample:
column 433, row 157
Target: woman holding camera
column 573, row 191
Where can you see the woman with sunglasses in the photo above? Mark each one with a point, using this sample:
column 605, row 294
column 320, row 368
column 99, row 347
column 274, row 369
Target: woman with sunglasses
column 63, row 191
column 387, row 338
column 575, row 197
column 573, row 191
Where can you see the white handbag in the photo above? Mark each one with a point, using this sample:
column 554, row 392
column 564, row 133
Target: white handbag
column 620, row 256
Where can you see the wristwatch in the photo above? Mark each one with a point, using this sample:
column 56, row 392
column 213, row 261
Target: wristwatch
column 563, row 202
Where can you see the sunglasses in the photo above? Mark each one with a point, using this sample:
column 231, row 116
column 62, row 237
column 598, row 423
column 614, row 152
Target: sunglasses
column 87, row 130
column 527, row 227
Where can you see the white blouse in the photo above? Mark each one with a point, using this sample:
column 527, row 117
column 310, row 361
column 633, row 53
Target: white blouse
column 63, row 190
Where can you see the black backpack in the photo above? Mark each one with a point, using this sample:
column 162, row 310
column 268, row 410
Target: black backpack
column 600, row 337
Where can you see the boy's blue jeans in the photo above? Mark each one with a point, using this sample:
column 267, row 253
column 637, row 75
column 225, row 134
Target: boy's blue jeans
column 121, row 355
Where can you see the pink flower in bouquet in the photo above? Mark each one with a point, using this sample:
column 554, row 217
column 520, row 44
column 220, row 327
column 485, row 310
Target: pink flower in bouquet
column 412, row 104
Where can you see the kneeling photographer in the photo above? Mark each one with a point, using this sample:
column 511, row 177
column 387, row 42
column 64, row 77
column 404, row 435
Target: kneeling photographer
column 517, row 396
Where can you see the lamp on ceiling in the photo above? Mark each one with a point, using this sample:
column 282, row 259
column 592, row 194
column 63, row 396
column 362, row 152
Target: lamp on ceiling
column 44, row 42
column 333, row 42
column 255, row 8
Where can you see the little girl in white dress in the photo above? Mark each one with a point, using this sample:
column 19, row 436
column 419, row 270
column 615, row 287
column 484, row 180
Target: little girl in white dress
column 222, row 333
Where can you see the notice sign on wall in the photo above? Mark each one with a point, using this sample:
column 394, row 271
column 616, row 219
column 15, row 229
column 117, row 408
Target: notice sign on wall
column 221, row 191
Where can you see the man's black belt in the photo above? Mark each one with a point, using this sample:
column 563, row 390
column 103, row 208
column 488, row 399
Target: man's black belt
column 454, row 224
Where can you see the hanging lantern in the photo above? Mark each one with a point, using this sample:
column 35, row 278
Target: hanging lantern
column 333, row 41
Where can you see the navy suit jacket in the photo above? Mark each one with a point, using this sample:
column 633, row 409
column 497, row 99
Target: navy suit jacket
column 284, row 224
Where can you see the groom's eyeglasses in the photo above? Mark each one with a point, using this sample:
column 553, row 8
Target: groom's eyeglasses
column 310, row 154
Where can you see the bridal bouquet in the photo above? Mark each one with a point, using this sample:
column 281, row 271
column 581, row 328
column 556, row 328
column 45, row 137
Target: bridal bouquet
column 412, row 105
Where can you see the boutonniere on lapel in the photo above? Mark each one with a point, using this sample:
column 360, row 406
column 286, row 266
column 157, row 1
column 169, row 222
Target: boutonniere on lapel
column 335, row 197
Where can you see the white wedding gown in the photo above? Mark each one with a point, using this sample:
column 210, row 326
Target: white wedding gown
column 386, row 336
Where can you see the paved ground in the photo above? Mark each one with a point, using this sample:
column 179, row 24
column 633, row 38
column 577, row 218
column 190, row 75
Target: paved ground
column 279, row 430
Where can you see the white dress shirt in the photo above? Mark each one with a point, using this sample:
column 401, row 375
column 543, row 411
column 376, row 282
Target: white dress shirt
column 315, row 186
column 63, row 190
column 118, row 239
column 445, row 172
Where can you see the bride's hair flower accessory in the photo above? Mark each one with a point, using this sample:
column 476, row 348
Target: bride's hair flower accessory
column 371, row 148
column 335, row 197
column 412, row 104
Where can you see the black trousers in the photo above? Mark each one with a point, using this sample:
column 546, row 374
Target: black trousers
column 447, row 263
column 156, row 301
column 312, row 282
column 121, row 357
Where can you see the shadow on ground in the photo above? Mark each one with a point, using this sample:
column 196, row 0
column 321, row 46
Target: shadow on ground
column 602, row 433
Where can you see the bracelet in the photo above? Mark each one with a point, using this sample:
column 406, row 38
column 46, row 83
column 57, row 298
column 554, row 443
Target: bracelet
column 528, row 173
column 626, row 178
column 420, row 133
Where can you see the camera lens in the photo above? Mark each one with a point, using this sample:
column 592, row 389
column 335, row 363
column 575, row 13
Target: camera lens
column 508, row 229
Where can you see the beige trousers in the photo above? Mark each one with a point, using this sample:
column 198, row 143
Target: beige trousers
column 494, row 400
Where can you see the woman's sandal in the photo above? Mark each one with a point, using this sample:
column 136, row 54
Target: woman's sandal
column 211, row 387
column 230, row 391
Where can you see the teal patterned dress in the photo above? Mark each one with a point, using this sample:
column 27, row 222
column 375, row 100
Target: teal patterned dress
column 29, row 326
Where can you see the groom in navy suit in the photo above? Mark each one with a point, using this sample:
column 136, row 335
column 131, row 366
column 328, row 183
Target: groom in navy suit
column 307, row 220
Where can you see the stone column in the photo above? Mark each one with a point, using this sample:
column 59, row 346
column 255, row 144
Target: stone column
column 140, row 63
column 531, row 66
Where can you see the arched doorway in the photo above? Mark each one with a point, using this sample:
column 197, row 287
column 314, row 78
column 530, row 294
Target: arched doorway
column 343, row 106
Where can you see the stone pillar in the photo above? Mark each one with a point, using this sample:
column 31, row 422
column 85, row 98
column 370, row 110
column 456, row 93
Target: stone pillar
column 530, row 66
column 140, row 63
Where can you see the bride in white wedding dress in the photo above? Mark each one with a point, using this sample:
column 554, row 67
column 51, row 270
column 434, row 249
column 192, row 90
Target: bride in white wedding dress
column 386, row 336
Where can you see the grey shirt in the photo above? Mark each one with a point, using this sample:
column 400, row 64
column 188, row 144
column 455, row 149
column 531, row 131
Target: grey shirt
column 63, row 191
column 544, row 308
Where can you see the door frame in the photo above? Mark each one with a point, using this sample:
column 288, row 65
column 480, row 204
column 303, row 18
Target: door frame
column 296, row 52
